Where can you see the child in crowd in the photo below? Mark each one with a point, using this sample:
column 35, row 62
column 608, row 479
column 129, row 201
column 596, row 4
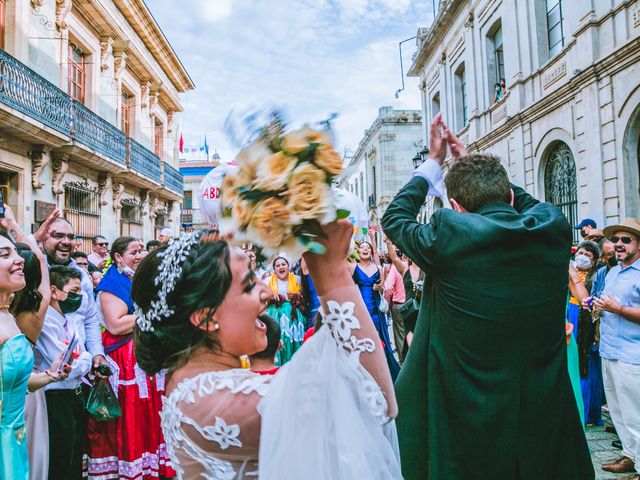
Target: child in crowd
column 264, row 361
column 65, row 401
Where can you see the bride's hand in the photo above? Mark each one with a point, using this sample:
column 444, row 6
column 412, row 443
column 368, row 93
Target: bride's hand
column 329, row 270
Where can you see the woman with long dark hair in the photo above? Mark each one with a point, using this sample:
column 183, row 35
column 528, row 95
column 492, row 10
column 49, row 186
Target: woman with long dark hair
column 130, row 446
column 325, row 414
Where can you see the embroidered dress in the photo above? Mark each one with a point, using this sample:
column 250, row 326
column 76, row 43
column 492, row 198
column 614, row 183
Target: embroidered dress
column 16, row 363
column 131, row 446
column 288, row 309
column 323, row 415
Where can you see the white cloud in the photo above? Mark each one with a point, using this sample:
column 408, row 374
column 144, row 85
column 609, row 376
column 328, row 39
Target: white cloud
column 214, row 10
column 312, row 57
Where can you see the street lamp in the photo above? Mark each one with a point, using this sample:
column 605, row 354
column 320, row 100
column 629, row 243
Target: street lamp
column 420, row 157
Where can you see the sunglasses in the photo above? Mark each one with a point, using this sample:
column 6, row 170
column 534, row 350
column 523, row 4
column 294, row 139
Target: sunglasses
column 60, row 236
column 624, row 240
column 104, row 244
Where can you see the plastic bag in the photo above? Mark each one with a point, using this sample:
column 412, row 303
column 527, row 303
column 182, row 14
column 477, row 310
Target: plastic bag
column 384, row 305
column 103, row 403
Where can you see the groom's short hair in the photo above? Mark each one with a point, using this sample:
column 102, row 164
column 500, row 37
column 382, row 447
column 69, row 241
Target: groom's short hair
column 477, row 180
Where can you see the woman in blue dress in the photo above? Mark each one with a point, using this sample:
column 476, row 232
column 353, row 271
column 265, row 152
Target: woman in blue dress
column 368, row 276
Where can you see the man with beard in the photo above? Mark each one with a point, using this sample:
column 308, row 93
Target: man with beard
column 620, row 344
column 484, row 392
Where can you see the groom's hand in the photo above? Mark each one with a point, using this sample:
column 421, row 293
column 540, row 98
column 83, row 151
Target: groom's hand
column 438, row 139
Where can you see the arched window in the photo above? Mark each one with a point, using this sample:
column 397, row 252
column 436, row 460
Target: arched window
column 560, row 183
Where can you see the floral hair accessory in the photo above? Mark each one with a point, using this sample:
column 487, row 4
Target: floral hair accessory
column 169, row 272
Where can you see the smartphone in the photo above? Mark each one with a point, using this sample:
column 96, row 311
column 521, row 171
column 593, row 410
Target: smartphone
column 104, row 370
column 1, row 203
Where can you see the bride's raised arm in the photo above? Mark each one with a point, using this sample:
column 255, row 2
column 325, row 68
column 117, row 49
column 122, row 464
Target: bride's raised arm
column 335, row 287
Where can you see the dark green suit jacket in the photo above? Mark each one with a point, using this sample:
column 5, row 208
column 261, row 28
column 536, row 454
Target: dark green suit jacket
column 485, row 392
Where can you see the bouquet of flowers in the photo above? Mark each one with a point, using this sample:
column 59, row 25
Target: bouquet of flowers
column 281, row 193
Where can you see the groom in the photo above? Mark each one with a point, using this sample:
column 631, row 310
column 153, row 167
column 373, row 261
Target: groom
column 484, row 392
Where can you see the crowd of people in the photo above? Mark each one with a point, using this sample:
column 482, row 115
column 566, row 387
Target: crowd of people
column 212, row 358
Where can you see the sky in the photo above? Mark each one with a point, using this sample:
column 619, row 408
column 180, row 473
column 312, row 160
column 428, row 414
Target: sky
column 310, row 58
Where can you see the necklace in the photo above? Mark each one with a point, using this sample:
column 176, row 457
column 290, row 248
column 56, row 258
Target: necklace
column 5, row 308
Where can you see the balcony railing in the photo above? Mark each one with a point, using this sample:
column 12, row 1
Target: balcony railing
column 96, row 133
column 372, row 201
column 27, row 92
column 143, row 161
column 173, row 179
column 24, row 90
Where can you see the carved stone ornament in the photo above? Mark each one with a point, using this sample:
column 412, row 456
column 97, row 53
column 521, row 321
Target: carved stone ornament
column 63, row 7
column 423, row 85
column 103, row 181
column 469, row 22
column 106, row 49
column 154, row 205
column 144, row 202
column 119, row 64
column 39, row 159
column 153, row 101
column 118, row 190
column 170, row 118
column 60, row 165
column 37, row 3
column 145, row 88
column 443, row 57
column 169, row 208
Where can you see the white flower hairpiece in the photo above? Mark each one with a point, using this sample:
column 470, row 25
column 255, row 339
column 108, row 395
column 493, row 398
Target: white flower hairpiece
column 169, row 271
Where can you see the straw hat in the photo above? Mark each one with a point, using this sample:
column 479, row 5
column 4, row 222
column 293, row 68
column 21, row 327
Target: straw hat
column 631, row 225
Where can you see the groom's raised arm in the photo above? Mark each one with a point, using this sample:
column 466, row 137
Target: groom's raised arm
column 400, row 224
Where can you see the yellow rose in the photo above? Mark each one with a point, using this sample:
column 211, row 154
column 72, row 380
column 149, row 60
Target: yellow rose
column 247, row 175
column 270, row 222
column 328, row 159
column 273, row 173
column 228, row 189
column 298, row 140
column 309, row 194
column 253, row 154
column 242, row 212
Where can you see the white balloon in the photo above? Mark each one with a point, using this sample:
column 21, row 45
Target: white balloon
column 209, row 190
column 358, row 215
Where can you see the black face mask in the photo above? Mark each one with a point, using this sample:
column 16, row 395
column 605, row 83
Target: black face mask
column 71, row 304
column 612, row 261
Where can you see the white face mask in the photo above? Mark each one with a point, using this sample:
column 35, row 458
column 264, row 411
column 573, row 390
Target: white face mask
column 582, row 262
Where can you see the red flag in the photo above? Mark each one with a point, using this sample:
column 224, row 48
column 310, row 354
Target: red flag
column 181, row 144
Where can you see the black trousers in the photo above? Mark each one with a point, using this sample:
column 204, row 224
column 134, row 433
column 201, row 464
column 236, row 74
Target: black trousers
column 67, row 426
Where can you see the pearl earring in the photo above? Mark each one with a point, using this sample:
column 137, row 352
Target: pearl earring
column 216, row 326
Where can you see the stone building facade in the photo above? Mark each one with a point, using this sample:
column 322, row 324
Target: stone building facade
column 382, row 164
column 89, row 94
column 193, row 172
column 568, row 128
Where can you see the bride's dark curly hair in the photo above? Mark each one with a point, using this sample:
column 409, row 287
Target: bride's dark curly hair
column 203, row 283
column 28, row 299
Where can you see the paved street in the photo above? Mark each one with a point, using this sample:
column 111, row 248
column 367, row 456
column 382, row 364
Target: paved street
column 601, row 449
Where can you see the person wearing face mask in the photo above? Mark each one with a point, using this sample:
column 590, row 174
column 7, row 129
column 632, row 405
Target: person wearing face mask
column 138, row 456
column 581, row 277
column 288, row 308
column 65, row 400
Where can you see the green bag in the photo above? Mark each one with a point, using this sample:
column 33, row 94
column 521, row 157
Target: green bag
column 103, row 403
column 408, row 311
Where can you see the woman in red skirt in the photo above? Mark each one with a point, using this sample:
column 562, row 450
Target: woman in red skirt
column 131, row 446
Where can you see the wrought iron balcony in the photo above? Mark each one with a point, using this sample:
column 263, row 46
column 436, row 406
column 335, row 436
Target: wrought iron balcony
column 173, row 179
column 143, row 161
column 96, row 133
column 27, row 92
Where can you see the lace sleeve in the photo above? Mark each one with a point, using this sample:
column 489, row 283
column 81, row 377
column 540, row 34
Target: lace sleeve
column 348, row 318
column 212, row 426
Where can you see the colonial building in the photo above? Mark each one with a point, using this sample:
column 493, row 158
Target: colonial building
column 382, row 164
column 89, row 92
column 568, row 128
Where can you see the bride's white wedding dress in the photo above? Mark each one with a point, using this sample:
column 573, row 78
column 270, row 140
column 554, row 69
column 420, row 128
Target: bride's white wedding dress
column 324, row 415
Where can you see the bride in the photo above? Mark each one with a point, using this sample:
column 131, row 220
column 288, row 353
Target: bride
column 327, row 414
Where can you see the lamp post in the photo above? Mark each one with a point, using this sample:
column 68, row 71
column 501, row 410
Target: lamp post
column 420, row 157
